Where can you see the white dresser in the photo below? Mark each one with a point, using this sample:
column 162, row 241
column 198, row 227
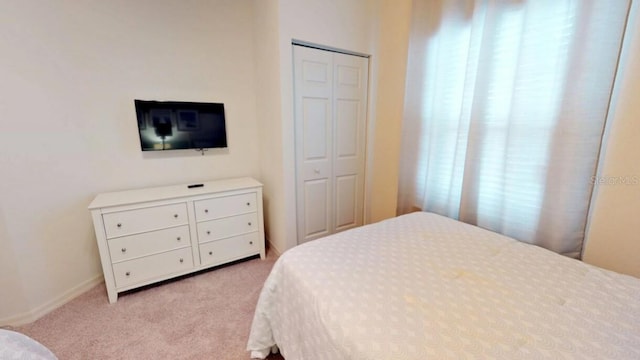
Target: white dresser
column 148, row 235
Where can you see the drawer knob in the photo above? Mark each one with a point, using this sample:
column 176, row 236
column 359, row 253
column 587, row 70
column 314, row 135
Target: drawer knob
column 208, row 232
column 128, row 273
column 178, row 238
column 119, row 225
column 124, row 250
column 175, row 216
column 181, row 260
column 249, row 223
column 250, row 242
column 210, row 252
column 248, row 204
column 206, row 210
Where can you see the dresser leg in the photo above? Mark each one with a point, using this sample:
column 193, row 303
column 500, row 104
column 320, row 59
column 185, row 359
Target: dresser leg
column 113, row 295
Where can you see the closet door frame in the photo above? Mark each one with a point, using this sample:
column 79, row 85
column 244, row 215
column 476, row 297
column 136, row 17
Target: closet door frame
column 330, row 103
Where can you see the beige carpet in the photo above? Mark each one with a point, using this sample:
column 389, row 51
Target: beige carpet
column 202, row 316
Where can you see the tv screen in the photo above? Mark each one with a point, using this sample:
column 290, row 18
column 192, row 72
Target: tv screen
column 175, row 125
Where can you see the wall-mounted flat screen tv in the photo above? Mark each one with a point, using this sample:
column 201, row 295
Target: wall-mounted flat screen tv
column 175, row 125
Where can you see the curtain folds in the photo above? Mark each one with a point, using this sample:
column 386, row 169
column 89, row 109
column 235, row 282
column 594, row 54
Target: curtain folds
column 505, row 107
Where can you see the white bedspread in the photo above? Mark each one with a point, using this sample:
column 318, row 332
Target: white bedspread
column 16, row 346
column 422, row 286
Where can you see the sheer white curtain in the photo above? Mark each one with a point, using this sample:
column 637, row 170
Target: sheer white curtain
column 504, row 114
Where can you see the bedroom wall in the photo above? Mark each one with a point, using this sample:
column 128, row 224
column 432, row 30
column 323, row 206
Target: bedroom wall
column 10, row 278
column 70, row 73
column 612, row 240
column 392, row 45
column 267, row 77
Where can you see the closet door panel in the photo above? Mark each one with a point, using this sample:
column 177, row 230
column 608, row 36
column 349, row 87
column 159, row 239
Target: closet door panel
column 316, row 129
column 346, row 202
column 316, row 194
column 347, row 127
column 313, row 89
column 350, row 110
column 330, row 99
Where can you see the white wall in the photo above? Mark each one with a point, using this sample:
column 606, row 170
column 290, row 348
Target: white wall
column 10, row 277
column 614, row 232
column 68, row 130
column 392, row 46
column 267, row 70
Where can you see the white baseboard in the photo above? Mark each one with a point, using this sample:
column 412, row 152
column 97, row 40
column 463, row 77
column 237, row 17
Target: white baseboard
column 40, row 311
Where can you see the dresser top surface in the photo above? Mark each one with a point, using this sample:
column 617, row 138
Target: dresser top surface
column 135, row 196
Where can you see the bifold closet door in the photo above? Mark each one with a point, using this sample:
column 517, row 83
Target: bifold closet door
column 330, row 92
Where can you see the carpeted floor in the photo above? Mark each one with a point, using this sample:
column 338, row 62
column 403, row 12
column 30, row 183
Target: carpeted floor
column 202, row 316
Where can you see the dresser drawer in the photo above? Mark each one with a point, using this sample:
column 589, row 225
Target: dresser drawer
column 219, row 251
column 225, row 206
column 133, row 246
column 226, row 227
column 152, row 267
column 140, row 220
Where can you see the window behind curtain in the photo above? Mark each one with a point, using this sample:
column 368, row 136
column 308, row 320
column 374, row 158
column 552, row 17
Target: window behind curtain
column 506, row 104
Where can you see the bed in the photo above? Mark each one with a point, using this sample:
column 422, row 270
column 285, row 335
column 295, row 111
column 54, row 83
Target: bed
column 422, row 286
column 14, row 345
